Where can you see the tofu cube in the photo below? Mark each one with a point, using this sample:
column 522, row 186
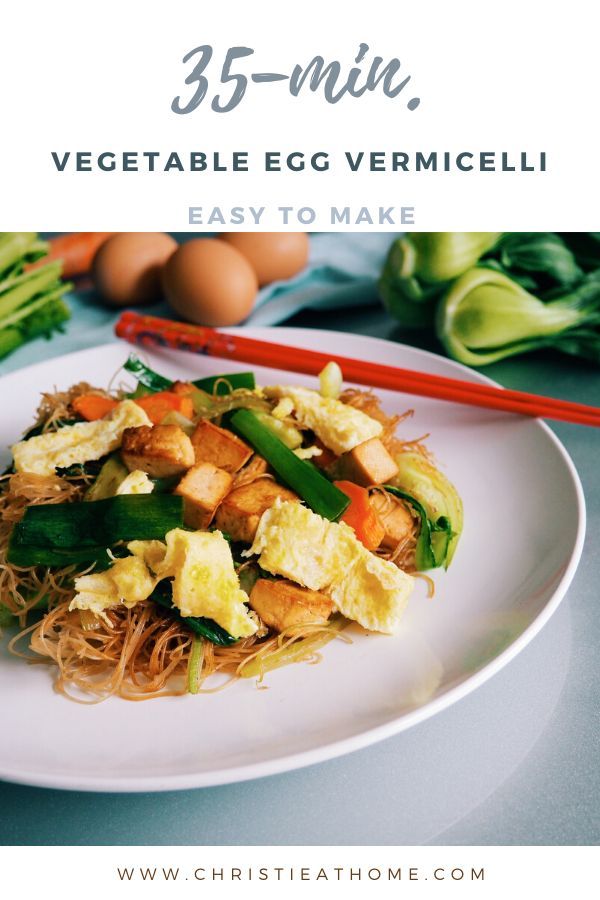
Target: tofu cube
column 220, row 447
column 369, row 463
column 283, row 604
column 240, row 512
column 159, row 450
column 396, row 520
column 202, row 487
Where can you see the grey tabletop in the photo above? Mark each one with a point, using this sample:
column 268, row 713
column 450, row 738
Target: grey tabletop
column 515, row 762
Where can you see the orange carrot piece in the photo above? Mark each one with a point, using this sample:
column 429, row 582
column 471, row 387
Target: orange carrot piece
column 361, row 516
column 93, row 406
column 157, row 406
column 76, row 250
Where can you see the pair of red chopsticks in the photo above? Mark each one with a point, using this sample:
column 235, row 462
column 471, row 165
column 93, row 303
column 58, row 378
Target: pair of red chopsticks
column 151, row 331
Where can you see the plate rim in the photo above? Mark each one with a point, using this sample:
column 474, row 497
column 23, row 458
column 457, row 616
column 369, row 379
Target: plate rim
column 333, row 749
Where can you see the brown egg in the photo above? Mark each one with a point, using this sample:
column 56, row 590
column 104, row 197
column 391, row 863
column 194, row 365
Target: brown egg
column 274, row 255
column 127, row 267
column 210, row 283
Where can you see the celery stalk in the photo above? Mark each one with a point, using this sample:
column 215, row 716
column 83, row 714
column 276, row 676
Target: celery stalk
column 36, row 319
column 20, row 290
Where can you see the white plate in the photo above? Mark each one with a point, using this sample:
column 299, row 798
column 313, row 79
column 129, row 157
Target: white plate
column 524, row 529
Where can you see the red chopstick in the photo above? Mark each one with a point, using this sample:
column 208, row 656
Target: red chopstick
column 151, row 332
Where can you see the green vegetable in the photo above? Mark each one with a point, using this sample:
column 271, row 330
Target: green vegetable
column 112, row 474
column 18, row 248
column 301, row 476
column 486, row 316
column 540, row 290
column 59, row 534
column 434, row 536
column 218, row 385
column 420, row 479
column 537, row 260
column 31, row 303
column 420, row 266
column 295, row 652
column 37, row 319
column 195, row 661
column 145, row 375
column 31, row 555
column 204, row 627
column 585, row 246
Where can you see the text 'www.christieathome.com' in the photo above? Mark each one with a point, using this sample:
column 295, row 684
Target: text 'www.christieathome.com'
column 301, row 873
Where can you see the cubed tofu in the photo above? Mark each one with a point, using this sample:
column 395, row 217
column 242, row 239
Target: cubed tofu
column 396, row 520
column 240, row 512
column 369, row 463
column 283, row 604
column 220, row 447
column 202, row 488
column 159, row 450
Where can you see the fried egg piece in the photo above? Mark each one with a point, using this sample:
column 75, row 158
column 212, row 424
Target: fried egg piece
column 339, row 427
column 205, row 583
column 296, row 543
column 137, row 482
column 77, row 443
column 127, row 581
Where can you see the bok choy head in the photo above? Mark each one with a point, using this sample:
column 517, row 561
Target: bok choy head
column 420, row 266
column 486, row 316
column 438, row 504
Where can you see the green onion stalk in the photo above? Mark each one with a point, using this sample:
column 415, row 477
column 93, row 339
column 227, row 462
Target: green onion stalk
column 421, row 265
column 486, row 317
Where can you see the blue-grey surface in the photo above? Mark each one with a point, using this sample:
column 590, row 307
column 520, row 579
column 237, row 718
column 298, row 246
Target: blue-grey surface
column 516, row 762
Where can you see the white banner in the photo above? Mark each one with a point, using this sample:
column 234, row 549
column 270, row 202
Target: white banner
column 485, row 873
column 311, row 116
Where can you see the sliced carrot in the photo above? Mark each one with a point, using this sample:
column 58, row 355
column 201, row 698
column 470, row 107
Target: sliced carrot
column 93, row 406
column 76, row 250
column 361, row 516
column 157, row 406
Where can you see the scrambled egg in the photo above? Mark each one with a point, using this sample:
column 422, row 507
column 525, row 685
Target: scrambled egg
column 137, row 482
column 339, row 426
column 204, row 579
column 77, row 443
column 326, row 556
column 128, row 581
